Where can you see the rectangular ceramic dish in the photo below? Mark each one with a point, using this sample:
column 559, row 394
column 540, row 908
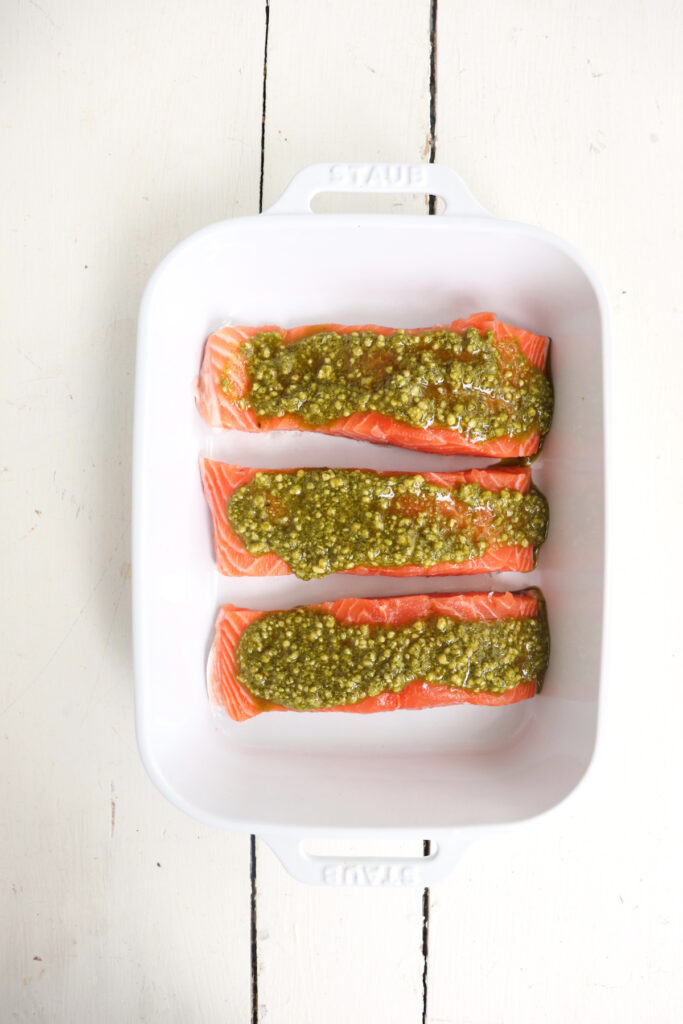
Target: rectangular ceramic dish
column 449, row 774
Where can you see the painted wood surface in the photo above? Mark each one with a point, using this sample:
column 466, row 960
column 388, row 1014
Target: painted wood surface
column 129, row 127
column 323, row 66
column 573, row 126
column 336, row 954
column 125, row 128
column 346, row 82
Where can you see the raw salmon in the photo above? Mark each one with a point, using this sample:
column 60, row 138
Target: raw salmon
column 222, row 362
column 227, row 692
column 221, row 480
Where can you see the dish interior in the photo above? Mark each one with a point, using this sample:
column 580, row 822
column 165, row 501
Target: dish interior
column 451, row 767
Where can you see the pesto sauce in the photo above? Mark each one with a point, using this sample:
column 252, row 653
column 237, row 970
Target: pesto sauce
column 471, row 382
column 321, row 521
column 305, row 659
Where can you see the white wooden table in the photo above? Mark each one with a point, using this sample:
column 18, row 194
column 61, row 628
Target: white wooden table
column 127, row 126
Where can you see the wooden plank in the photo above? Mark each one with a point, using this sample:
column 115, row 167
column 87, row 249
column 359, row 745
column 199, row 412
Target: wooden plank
column 571, row 121
column 326, row 954
column 347, row 82
column 129, row 127
column 336, row 955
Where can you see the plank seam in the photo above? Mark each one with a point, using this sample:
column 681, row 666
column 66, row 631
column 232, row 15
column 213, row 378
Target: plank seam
column 252, row 931
column 426, row 850
column 426, row 845
column 263, row 107
column 253, row 943
column 433, row 12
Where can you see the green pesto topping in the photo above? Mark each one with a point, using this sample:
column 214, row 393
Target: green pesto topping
column 470, row 382
column 305, row 659
column 327, row 520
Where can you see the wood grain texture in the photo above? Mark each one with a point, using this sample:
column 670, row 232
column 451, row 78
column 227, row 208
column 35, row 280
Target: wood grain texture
column 333, row 93
column 574, row 125
column 128, row 127
column 347, row 82
column 336, row 955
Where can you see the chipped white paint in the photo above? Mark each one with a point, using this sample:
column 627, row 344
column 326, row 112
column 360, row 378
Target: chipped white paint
column 128, row 127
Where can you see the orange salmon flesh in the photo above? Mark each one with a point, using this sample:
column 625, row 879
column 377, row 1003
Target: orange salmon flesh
column 221, row 480
column 223, row 360
column 227, row 692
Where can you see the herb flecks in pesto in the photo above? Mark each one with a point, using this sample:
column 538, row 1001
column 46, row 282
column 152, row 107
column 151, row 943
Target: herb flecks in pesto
column 305, row 659
column 321, row 521
column 471, row 383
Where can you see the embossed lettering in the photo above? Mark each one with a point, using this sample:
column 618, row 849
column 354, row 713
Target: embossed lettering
column 376, row 874
column 396, row 174
column 332, row 874
column 338, row 174
column 378, row 176
column 375, row 178
column 369, row 874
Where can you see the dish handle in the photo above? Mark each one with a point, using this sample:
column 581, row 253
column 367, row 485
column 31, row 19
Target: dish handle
column 430, row 179
column 368, row 872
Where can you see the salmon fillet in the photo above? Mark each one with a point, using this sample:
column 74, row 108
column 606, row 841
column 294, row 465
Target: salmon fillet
column 221, row 480
column 227, row 692
column 222, row 362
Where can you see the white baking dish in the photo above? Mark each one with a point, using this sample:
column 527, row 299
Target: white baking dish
column 450, row 774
